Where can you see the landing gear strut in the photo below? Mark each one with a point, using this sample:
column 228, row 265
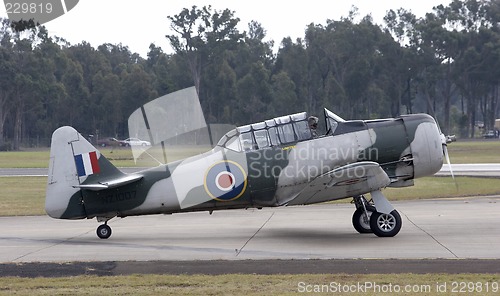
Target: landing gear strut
column 104, row 231
column 361, row 217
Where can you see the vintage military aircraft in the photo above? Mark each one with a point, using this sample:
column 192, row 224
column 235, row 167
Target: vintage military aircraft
column 277, row 162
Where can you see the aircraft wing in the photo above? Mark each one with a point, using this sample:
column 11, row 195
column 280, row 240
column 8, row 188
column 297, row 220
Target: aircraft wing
column 122, row 180
column 346, row 181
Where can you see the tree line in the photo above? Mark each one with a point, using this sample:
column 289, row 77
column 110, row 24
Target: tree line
column 445, row 63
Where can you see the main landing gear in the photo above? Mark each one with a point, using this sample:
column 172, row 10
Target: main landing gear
column 366, row 219
column 103, row 231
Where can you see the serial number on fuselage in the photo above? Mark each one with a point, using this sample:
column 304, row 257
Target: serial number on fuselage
column 119, row 197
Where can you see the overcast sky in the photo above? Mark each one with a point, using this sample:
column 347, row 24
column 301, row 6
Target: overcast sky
column 137, row 24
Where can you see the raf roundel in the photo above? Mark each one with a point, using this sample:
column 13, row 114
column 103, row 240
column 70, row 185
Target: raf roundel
column 225, row 181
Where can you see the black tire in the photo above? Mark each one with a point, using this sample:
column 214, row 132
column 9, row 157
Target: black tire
column 386, row 225
column 104, row 231
column 358, row 220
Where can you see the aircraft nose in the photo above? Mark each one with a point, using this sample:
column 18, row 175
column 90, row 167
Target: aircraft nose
column 426, row 144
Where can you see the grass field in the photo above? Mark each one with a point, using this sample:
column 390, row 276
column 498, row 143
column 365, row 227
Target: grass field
column 484, row 151
column 251, row 284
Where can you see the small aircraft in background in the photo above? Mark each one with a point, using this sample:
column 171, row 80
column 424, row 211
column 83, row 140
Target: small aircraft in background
column 278, row 162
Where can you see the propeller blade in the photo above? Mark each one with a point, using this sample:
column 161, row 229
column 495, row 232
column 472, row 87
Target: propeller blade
column 447, row 156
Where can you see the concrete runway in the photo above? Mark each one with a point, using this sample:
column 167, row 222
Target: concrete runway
column 462, row 228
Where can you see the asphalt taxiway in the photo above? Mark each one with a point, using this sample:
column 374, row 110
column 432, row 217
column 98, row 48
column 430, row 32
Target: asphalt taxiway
column 459, row 228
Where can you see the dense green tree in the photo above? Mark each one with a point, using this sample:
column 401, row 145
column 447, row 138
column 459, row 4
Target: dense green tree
column 254, row 94
column 293, row 60
column 476, row 61
column 108, row 103
column 285, row 99
column 135, row 88
column 157, row 64
column 7, row 75
column 446, row 63
column 205, row 37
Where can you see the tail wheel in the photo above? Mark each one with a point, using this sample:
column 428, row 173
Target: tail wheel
column 360, row 221
column 385, row 225
column 103, row 231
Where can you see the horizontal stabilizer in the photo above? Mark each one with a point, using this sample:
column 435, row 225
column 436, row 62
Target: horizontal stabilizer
column 110, row 183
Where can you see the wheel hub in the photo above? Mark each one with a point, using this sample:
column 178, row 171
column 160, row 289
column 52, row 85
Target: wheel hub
column 386, row 222
column 365, row 220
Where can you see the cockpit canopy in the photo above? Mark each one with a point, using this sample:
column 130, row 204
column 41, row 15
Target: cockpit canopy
column 274, row 132
column 279, row 131
column 284, row 130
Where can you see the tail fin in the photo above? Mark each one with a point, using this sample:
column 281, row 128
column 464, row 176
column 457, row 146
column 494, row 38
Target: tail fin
column 74, row 164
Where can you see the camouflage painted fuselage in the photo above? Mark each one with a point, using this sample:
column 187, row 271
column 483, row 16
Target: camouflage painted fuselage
column 407, row 147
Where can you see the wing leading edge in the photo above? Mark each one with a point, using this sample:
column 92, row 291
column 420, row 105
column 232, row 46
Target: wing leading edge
column 346, row 181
